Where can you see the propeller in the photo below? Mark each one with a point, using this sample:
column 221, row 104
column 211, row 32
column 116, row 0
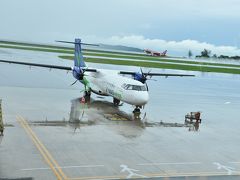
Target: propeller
column 78, row 74
column 144, row 76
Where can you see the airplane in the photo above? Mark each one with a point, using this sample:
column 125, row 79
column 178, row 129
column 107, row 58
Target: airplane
column 132, row 90
column 155, row 53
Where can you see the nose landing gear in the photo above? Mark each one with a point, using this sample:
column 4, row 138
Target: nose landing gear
column 116, row 102
column 137, row 112
column 137, row 109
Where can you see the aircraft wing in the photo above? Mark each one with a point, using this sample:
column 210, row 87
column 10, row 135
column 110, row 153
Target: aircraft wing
column 44, row 65
column 154, row 74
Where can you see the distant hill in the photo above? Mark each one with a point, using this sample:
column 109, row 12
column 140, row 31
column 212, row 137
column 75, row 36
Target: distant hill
column 120, row 48
column 101, row 47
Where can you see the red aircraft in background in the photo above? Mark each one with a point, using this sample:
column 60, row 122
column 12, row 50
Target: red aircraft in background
column 155, row 53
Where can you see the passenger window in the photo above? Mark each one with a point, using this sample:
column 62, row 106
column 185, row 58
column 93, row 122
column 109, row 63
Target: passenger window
column 129, row 87
column 137, row 88
column 134, row 87
column 143, row 88
column 124, row 85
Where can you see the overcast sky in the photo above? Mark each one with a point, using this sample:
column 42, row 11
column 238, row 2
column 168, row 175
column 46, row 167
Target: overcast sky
column 176, row 25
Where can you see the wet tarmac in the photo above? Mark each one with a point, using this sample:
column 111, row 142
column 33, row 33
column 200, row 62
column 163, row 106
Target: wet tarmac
column 51, row 134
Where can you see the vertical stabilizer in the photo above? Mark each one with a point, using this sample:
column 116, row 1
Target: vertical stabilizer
column 78, row 58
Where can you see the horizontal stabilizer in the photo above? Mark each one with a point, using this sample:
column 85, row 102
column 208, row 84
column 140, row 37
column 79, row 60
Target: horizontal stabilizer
column 78, row 43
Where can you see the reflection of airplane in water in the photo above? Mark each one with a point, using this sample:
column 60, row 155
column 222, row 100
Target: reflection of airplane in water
column 101, row 112
column 82, row 109
column 194, row 126
column 104, row 113
column 155, row 53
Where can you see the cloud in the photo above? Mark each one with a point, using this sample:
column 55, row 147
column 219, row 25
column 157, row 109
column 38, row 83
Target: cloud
column 180, row 47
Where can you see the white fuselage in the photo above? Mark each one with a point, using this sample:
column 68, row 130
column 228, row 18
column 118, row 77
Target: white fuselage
column 110, row 83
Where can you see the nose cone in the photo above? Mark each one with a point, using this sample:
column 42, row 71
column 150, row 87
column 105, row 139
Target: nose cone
column 141, row 98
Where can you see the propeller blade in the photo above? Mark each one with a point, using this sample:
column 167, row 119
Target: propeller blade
column 74, row 82
column 82, row 90
column 143, row 80
column 148, row 72
column 141, row 70
column 147, row 86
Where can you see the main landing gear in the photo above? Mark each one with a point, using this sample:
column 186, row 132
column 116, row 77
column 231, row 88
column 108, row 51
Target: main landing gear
column 116, row 102
column 87, row 95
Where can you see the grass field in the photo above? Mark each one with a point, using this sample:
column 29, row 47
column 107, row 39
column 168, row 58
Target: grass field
column 127, row 58
column 158, row 65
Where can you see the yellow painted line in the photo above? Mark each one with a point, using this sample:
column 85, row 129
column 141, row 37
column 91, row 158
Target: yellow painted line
column 60, row 175
column 40, row 150
column 43, row 150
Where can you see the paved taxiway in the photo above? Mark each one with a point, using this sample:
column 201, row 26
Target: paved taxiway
column 42, row 145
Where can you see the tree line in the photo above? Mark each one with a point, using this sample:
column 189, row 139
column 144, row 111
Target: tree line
column 208, row 54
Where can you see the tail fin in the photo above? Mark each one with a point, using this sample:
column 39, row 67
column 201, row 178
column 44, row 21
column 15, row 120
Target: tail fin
column 164, row 53
column 78, row 58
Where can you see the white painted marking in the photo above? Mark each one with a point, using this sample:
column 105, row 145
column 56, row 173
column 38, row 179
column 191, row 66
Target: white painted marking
column 130, row 171
column 64, row 167
column 227, row 103
column 173, row 163
column 230, row 170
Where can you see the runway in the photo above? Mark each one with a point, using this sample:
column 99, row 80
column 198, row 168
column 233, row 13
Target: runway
column 42, row 144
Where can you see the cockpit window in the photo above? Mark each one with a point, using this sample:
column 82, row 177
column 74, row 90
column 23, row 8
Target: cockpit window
column 134, row 87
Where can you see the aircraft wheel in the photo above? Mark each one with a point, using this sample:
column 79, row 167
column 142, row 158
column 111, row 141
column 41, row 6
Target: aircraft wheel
column 137, row 110
column 87, row 95
column 116, row 102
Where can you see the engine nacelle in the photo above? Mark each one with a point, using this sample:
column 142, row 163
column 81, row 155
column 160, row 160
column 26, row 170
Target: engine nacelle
column 139, row 77
column 78, row 73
